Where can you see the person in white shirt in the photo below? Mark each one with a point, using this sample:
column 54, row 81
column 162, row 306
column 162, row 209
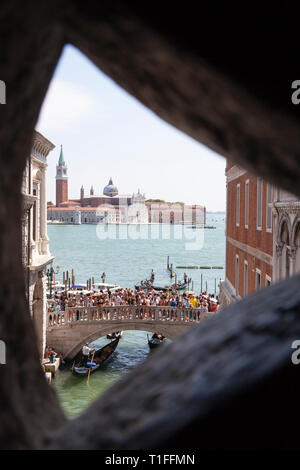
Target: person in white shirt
column 86, row 352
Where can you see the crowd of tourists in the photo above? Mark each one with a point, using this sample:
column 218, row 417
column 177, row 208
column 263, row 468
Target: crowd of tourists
column 126, row 296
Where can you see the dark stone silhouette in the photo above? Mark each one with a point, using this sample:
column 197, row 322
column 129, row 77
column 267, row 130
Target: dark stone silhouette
column 233, row 373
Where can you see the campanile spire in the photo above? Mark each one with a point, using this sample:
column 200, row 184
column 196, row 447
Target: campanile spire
column 61, row 179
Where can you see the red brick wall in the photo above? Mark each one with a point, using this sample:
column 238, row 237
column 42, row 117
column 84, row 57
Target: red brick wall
column 260, row 239
column 253, row 264
column 61, row 191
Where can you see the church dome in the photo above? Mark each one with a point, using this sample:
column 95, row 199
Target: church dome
column 110, row 190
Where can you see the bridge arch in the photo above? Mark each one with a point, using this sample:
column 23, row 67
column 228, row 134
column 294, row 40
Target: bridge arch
column 69, row 341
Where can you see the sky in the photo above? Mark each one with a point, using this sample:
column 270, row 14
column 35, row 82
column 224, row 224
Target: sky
column 105, row 132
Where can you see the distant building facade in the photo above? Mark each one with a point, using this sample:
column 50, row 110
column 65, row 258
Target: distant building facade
column 262, row 234
column 112, row 208
column 35, row 243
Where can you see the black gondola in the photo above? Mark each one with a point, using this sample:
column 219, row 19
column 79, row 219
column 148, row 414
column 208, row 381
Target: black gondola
column 101, row 356
column 180, row 285
column 155, row 341
column 115, row 335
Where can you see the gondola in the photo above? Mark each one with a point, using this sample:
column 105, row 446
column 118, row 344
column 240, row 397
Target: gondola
column 155, row 341
column 101, row 356
column 181, row 285
column 114, row 335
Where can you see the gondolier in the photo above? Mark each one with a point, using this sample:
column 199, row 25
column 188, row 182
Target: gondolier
column 100, row 356
column 86, row 351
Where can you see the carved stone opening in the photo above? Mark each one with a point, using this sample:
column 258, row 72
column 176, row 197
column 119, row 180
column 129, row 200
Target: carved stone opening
column 233, row 368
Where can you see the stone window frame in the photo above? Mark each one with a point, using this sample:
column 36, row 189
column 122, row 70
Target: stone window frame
column 238, row 205
column 258, row 273
column 268, row 281
column 237, row 275
column 269, row 204
column 247, row 203
column 259, row 203
column 246, row 283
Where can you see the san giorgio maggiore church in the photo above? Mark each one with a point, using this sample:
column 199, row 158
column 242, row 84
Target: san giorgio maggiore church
column 108, row 208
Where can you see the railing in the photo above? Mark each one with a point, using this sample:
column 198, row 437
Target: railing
column 80, row 315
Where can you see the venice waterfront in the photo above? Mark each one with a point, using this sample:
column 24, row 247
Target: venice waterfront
column 126, row 261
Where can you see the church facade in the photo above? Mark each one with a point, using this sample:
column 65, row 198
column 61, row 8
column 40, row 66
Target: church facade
column 107, row 208
column 113, row 208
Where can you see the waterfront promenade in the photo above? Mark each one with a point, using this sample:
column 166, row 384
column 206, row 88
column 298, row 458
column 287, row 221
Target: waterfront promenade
column 67, row 331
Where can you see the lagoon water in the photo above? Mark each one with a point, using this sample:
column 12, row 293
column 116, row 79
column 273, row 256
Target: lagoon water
column 127, row 254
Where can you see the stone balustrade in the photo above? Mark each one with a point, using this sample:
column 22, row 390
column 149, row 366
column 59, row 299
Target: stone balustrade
column 125, row 312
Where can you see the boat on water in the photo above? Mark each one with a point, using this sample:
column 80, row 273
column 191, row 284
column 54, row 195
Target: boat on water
column 155, row 341
column 100, row 357
column 115, row 335
column 180, row 285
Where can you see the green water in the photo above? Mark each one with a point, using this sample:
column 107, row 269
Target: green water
column 127, row 254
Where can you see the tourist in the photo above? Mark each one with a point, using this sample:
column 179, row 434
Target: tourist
column 52, row 355
column 129, row 297
column 47, row 352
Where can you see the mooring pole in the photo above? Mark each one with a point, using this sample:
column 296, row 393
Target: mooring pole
column 201, row 282
column 215, row 286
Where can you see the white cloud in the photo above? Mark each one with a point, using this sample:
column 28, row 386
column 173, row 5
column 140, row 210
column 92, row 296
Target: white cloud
column 64, row 106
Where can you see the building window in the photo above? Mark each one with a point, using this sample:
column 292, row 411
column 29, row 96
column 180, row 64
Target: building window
column 238, row 197
column 34, row 222
column 246, row 203
column 268, row 281
column 237, row 275
column 245, row 278
column 259, row 203
column 258, row 279
column 269, row 208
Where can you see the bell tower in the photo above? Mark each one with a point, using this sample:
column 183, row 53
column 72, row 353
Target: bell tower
column 61, row 180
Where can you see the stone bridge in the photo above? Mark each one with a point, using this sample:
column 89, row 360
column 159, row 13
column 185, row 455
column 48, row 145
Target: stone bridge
column 68, row 331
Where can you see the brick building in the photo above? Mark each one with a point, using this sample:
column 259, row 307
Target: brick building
column 249, row 234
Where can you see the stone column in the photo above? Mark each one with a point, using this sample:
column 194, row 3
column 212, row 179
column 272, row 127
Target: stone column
column 43, row 214
column 278, row 261
column 292, row 255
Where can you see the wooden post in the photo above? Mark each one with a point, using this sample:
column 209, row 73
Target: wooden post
column 215, row 286
column 64, row 277
column 201, row 282
column 206, row 287
column 168, row 262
